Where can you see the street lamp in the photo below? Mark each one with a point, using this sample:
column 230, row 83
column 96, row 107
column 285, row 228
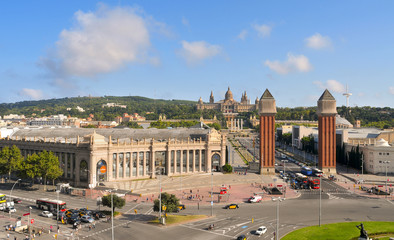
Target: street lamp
column 387, row 163
column 320, row 200
column 277, row 200
column 28, row 219
column 57, row 213
column 112, row 212
column 13, row 188
column 211, row 193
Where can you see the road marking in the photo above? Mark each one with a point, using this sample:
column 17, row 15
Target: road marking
column 133, row 208
column 202, row 230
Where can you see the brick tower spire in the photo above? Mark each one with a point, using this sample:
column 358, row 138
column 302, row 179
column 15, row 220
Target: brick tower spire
column 326, row 111
column 267, row 111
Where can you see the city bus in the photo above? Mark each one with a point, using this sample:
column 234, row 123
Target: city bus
column 306, row 171
column 2, row 198
column 317, row 172
column 51, row 205
column 301, row 178
column 314, row 183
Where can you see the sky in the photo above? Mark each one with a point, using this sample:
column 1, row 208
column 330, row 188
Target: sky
column 186, row 49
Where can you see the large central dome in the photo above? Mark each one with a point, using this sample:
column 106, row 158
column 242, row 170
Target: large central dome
column 229, row 95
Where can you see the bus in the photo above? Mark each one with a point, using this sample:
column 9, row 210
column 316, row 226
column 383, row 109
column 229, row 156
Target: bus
column 314, row 183
column 306, row 171
column 301, row 178
column 51, row 205
column 2, row 198
column 317, row 172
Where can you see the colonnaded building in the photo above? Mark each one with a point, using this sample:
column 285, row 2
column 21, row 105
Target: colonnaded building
column 89, row 156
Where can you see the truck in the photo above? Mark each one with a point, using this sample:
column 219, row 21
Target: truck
column 255, row 199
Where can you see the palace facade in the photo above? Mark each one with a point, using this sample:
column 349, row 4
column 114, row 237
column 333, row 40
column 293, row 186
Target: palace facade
column 89, row 156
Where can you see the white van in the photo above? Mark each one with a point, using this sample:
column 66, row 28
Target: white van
column 255, row 199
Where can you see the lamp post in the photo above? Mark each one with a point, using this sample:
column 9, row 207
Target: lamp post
column 28, row 219
column 277, row 200
column 387, row 163
column 320, row 200
column 13, row 188
column 112, row 213
column 211, row 193
column 57, row 213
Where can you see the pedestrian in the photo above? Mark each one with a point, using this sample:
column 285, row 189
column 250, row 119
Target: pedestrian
column 51, row 227
column 8, row 235
column 90, row 227
column 94, row 225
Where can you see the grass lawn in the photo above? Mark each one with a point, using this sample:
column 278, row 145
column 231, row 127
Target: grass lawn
column 175, row 219
column 345, row 231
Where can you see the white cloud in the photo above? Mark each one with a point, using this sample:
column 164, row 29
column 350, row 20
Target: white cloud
column 332, row 85
column 293, row 63
column 242, row 34
column 100, row 42
column 318, row 41
column 194, row 52
column 263, row 30
column 391, row 90
column 34, row 94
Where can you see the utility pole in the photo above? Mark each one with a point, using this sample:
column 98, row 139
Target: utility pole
column 211, row 193
column 320, row 201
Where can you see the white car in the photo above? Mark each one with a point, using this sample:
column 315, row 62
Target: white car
column 47, row 214
column 261, row 230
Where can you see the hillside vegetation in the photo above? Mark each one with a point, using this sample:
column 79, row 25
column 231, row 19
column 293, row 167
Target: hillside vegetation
column 177, row 109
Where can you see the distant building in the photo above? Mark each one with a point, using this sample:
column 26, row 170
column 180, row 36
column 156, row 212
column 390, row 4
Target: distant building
column 109, row 105
column 116, row 156
column 13, row 116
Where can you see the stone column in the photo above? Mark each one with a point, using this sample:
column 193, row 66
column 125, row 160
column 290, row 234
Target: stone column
column 326, row 112
column 187, row 161
column 267, row 111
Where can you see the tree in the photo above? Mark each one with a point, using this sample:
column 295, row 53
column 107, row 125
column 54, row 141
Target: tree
column 227, row 168
column 10, row 160
column 170, row 201
column 30, row 167
column 118, row 201
column 49, row 166
column 215, row 126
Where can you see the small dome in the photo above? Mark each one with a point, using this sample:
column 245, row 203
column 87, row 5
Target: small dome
column 382, row 143
column 229, row 95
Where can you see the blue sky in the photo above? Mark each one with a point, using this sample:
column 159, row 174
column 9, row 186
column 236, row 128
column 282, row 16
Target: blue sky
column 186, row 49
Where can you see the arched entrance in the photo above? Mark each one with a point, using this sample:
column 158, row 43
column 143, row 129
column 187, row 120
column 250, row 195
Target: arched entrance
column 215, row 163
column 102, row 171
column 83, row 171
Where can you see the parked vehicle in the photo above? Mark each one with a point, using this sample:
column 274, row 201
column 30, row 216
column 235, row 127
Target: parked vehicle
column 87, row 218
column 17, row 200
column 47, row 214
column 255, row 199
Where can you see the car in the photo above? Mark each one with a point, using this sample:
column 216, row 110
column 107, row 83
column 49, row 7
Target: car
column 232, row 206
column 17, row 200
column 73, row 219
column 261, row 230
column 181, row 207
column 10, row 209
column 47, row 214
column 241, row 237
column 255, row 199
column 87, row 218
column 98, row 214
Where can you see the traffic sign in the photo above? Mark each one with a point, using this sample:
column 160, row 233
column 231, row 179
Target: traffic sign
column 26, row 214
column 279, row 185
column 32, row 221
column 380, row 186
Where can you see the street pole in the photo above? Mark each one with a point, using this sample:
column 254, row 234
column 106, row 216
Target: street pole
column 12, row 189
column 278, row 199
column 320, row 201
column 211, row 193
column 160, row 195
column 112, row 217
column 29, row 222
column 386, row 162
column 57, row 213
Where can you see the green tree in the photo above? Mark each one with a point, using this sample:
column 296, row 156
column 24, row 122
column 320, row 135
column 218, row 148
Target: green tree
column 215, row 126
column 10, row 160
column 170, row 201
column 227, row 168
column 118, row 201
column 49, row 166
column 30, row 167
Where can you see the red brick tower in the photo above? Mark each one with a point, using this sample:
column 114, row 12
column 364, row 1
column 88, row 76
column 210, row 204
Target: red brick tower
column 326, row 111
column 267, row 111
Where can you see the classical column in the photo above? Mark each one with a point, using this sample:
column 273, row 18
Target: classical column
column 187, row 161
column 267, row 111
column 326, row 112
